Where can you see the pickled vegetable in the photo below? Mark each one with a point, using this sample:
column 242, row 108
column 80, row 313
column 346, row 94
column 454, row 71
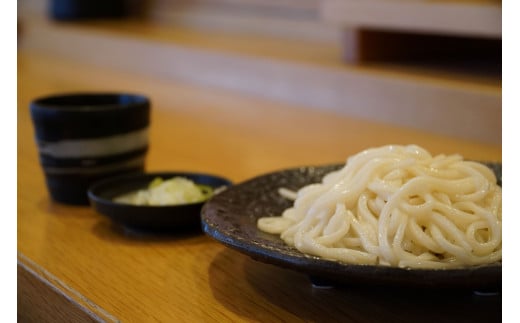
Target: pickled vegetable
column 177, row 190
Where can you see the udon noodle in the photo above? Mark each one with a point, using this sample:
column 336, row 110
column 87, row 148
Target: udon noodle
column 397, row 206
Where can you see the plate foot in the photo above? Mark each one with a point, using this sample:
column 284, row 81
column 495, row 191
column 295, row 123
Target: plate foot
column 321, row 283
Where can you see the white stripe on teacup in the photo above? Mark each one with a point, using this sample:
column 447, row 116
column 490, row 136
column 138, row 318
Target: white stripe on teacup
column 131, row 163
column 104, row 146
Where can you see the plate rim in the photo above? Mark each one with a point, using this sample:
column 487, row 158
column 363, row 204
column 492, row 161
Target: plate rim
column 338, row 272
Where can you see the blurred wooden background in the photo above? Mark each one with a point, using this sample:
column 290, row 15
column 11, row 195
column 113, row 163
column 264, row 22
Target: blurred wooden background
column 433, row 65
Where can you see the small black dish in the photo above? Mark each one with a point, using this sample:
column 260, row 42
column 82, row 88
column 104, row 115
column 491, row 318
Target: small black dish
column 143, row 218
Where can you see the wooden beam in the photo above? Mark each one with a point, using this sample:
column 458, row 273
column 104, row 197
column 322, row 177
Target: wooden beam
column 479, row 18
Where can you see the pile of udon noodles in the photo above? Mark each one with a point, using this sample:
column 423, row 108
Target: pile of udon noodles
column 397, row 206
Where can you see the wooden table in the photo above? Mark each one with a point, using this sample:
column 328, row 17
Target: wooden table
column 74, row 265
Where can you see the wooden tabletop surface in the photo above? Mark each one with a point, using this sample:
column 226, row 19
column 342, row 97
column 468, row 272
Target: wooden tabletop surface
column 75, row 265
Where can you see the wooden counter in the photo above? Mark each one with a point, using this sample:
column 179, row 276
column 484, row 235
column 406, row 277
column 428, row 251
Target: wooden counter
column 74, row 265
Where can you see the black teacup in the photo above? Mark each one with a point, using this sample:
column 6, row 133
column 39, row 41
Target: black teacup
column 86, row 137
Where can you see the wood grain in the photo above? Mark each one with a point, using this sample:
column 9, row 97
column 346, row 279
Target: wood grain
column 43, row 298
column 190, row 277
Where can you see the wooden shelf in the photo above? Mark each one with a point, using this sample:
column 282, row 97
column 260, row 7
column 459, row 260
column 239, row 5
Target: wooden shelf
column 458, row 101
column 289, row 19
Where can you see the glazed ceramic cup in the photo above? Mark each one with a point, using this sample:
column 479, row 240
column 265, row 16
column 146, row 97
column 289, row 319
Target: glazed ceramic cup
column 85, row 137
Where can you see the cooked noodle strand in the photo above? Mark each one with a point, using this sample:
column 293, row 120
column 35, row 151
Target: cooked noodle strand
column 397, row 206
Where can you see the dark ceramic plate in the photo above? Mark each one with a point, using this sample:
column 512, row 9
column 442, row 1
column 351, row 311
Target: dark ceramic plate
column 231, row 218
column 149, row 218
